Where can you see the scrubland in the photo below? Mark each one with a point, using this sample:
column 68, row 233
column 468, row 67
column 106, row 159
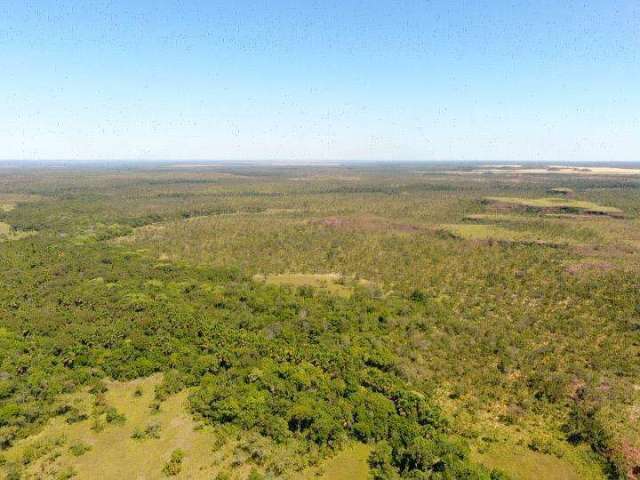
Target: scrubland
column 391, row 321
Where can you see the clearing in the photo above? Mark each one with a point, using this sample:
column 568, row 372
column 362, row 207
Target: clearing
column 488, row 233
column 8, row 233
column 333, row 283
column 552, row 204
column 522, row 463
column 90, row 448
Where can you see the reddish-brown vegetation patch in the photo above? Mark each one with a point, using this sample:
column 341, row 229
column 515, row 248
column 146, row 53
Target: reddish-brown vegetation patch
column 631, row 455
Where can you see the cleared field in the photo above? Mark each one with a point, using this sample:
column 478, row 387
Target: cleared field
column 500, row 218
column 349, row 464
column 553, row 203
column 110, row 452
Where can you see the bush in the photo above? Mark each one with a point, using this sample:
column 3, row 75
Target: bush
column 114, row 417
column 255, row 475
column 174, row 466
column 79, row 448
column 150, row 431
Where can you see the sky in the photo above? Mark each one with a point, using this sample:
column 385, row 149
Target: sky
column 320, row 80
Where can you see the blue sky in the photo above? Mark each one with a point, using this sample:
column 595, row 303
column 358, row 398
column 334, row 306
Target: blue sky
column 320, row 80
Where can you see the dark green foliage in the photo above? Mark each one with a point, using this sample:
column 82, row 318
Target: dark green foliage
column 583, row 425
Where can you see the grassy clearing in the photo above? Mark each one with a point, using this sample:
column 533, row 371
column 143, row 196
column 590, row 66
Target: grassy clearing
column 110, row 452
column 495, row 233
column 500, row 218
column 9, row 201
column 333, row 283
column 349, row 464
column 8, row 233
column 523, row 448
column 142, row 441
column 522, row 463
column 554, row 203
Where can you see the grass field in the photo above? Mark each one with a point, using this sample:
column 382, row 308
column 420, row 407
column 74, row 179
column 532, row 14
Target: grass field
column 8, row 233
column 111, row 452
column 554, row 203
column 497, row 234
column 333, row 283
column 524, row 464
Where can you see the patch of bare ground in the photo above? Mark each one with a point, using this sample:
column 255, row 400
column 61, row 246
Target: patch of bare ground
column 631, row 456
column 369, row 223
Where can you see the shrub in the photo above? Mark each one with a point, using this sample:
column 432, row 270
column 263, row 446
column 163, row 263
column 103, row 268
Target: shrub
column 79, row 448
column 255, row 475
column 174, row 466
column 114, row 417
column 151, row 431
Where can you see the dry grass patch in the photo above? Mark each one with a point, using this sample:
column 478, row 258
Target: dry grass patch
column 500, row 218
column 333, row 283
column 554, row 204
column 9, row 201
column 8, row 233
column 144, row 440
column 494, row 233
column 350, row 463
column 522, row 463
column 111, row 452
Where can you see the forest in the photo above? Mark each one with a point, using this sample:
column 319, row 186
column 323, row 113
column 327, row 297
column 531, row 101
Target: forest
column 384, row 321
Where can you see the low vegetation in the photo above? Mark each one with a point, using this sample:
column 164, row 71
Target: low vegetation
column 215, row 322
column 551, row 204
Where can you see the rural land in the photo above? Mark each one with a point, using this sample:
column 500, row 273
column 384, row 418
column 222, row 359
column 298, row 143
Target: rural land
column 246, row 321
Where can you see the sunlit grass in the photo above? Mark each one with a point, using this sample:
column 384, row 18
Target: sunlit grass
column 555, row 203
